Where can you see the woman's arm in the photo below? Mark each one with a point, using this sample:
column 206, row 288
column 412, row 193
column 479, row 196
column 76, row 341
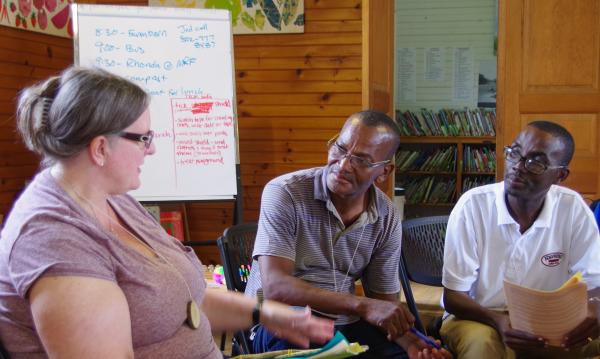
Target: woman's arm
column 229, row 311
column 81, row 317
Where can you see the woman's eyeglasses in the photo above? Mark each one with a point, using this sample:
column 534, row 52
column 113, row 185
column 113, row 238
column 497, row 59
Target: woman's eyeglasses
column 146, row 138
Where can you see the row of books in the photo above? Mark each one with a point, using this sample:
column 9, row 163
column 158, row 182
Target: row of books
column 479, row 159
column 171, row 221
column 466, row 122
column 429, row 190
column 470, row 182
column 432, row 160
column 475, row 159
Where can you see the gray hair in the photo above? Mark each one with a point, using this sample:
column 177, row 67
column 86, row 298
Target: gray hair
column 60, row 116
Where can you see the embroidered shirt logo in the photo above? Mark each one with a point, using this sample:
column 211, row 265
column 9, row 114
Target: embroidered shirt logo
column 552, row 259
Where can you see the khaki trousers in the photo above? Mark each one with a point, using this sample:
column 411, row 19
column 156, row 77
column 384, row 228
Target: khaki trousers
column 474, row 340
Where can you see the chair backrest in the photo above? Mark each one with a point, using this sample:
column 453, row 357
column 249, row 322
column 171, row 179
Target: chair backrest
column 235, row 247
column 422, row 257
column 595, row 207
column 423, row 249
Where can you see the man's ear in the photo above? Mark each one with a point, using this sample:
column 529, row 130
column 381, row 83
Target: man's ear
column 387, row 170
column 98, row 150
column 564, row 173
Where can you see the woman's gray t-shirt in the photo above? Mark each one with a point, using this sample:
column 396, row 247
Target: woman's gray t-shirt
column 48, row 234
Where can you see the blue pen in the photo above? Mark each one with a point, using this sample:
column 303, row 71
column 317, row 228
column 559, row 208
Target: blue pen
column 425, row 338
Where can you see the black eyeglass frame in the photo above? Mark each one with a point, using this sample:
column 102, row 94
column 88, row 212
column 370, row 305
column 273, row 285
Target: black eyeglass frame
column 145, row 138
column 528, row 162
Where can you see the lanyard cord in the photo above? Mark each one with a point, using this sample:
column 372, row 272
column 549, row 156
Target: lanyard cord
column 112, row 220
column 333, row 271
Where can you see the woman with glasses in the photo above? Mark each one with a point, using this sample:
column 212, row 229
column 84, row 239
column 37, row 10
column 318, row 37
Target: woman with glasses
column 85, row 271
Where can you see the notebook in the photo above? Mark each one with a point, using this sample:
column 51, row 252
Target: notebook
column 549, row 314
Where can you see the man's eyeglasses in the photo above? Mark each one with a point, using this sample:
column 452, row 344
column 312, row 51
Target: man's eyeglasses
column 534, row 166
column 146, row 138
column 338, row 153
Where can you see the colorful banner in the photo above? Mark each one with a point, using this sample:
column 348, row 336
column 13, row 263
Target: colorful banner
column 50, row 17
column 252, row 16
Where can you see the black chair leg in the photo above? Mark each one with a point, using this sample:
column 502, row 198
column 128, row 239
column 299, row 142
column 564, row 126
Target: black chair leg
column 223, row 339
column 434, row 326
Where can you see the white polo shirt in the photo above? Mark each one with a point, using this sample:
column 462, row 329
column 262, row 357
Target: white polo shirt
column 484, row 246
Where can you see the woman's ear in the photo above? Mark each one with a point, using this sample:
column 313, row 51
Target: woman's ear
column 98, row 150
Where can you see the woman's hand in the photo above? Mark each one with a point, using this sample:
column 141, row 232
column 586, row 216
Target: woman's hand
column 295, row 325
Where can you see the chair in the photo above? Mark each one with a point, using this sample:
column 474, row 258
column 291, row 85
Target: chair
column 595, row 207
column 235, row 247
column 422, row 260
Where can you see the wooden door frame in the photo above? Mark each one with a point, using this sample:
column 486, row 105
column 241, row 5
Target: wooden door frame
column 378, row 62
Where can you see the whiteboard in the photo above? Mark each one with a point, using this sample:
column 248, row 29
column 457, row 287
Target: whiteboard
column 184, row 59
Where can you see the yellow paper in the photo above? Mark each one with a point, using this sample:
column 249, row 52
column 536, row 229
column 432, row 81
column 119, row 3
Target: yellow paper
column 549, row 314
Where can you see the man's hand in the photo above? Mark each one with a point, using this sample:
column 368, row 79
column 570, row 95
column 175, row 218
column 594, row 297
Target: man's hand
column 418, row 349
column 391, row 317
column 581, row 334
column 517, row 339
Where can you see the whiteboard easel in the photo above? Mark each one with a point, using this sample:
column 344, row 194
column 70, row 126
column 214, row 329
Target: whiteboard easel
column 184, row 59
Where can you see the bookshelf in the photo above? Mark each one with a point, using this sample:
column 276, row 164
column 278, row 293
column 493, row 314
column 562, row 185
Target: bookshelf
column 442, row 155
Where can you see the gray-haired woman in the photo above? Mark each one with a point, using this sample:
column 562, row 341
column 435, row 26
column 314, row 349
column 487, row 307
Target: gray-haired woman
column 85, row 271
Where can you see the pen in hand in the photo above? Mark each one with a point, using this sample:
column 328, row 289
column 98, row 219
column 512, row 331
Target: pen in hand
column 425, row 338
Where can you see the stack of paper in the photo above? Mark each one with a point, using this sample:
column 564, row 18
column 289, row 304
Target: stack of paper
column 549, row 314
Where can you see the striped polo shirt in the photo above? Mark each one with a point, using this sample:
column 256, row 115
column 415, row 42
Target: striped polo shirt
column 299, row 222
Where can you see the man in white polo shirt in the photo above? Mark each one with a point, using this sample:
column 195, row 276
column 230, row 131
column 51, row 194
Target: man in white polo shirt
column 527, row 230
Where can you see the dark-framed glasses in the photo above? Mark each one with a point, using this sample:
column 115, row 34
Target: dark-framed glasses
column 145, row 138
column 534, row 166
column 338, row 153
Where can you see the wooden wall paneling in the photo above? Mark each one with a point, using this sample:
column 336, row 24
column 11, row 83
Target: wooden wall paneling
column 286, row 117
column 294, row 91
column 336, row 61
column 549, row 59
column 300, row 99
column 25, row 58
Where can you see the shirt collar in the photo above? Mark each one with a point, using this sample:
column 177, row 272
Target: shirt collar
column 375, row 208
column 544, row 218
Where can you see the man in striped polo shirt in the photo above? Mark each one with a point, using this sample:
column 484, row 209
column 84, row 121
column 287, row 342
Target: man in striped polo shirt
column 323, row 228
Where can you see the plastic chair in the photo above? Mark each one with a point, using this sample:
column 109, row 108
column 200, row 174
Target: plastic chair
column 422, row 260
column 595, row 207
column 235, row 247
